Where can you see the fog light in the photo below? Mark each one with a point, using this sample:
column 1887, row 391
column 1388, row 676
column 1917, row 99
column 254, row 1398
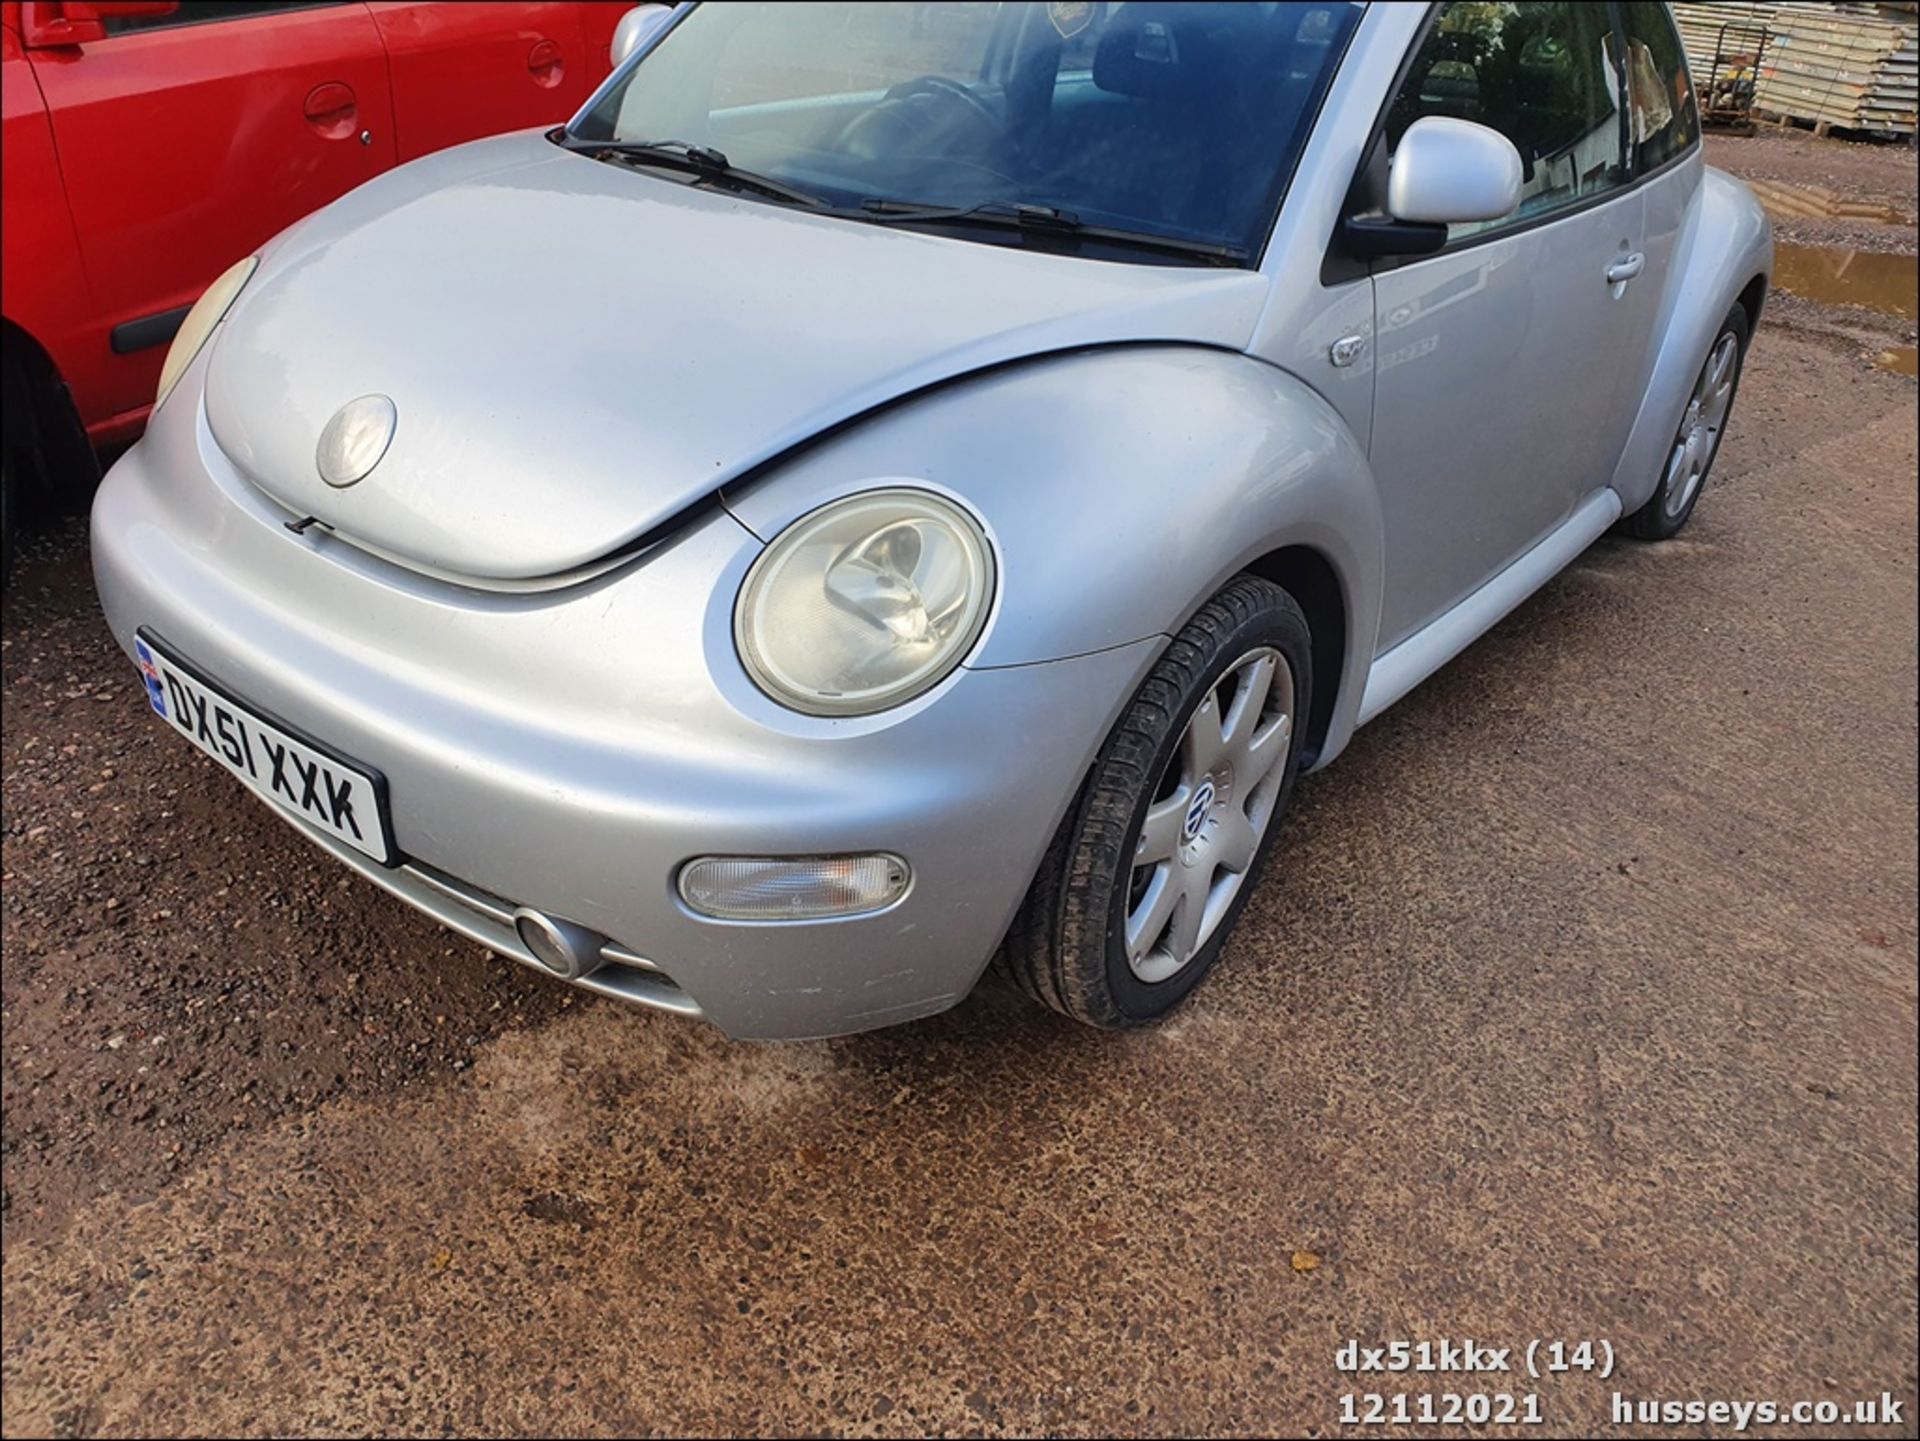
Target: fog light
column 747, row 888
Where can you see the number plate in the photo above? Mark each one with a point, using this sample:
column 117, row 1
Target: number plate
column 296, row 773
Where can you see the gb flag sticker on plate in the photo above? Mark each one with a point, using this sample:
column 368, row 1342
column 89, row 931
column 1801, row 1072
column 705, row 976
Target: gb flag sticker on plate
column 322, row 788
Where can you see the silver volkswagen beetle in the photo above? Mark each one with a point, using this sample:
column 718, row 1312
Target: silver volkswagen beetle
column 890, row 486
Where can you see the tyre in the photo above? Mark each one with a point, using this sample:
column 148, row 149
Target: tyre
column 45, row 460
column 1702, row 425
column 1143, row 882
column 9, row 503
column 17, row 435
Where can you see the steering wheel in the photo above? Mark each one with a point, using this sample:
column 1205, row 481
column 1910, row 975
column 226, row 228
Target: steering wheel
column 894, row 123
column 941, row 85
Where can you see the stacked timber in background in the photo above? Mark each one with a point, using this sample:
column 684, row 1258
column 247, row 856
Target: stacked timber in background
column 1842, row 67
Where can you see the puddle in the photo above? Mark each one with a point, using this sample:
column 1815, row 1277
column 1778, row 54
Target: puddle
column 1817, row 202
column 1835, row 275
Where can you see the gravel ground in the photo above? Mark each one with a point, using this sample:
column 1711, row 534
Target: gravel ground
column 1581, row 1002
column 1828, row 257
column 1840, row 174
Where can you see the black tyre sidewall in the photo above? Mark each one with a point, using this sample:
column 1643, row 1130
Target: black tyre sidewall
column 9, row 503
column 1283, row 627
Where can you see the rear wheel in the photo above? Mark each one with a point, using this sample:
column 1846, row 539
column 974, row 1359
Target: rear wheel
column 1702, row 425
column 1141, row 887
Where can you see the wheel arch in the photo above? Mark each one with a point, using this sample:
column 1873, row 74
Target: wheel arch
column 26, row 365
column 1309, row 577
column 1124, row 487
column 42, row 421
column 1752, row 298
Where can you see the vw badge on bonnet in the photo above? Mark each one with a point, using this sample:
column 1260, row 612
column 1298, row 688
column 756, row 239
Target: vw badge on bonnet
column 355, row 439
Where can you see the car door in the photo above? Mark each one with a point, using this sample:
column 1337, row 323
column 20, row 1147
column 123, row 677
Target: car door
column 1502, row 394
column 187, row 139
column 461, row 71
column 1664, row 135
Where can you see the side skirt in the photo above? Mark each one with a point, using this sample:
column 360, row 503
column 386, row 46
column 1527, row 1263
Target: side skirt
column 1397, row 671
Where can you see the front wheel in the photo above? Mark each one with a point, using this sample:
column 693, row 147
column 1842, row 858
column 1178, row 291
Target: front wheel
column 8, row 504
column 1702, row 425
column 1141, row 887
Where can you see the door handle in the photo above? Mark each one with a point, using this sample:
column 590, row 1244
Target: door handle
column 1625, row 268
column 546, row 64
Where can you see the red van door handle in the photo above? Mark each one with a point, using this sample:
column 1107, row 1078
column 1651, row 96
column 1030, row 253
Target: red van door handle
column 331, row 110
column 546, row 64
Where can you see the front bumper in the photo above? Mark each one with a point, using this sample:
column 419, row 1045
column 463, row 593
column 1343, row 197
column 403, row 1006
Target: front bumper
column 569, row 749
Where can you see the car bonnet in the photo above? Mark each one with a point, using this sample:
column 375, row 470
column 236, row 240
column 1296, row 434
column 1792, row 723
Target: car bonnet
column 575, row 352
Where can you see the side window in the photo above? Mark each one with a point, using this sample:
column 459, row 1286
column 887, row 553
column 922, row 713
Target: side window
column 1664, row 121
column 1543, row 75
column 199, row 12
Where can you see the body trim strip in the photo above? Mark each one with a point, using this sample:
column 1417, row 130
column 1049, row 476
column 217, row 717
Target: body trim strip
column 483, row 918
column 1399, row 670
column 147, row 332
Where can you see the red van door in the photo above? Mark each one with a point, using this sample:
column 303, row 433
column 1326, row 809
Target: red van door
column 464, row 71
column 190, row 138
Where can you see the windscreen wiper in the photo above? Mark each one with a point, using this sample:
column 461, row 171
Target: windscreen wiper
column 702, row 162
column 1043, row 220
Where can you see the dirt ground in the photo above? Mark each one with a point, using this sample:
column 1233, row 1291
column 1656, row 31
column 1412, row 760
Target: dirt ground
column 1844, row 239
column 1845, row 178
column 1580, row 1003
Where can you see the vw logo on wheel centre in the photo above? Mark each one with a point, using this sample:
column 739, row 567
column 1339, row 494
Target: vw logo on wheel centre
column 1197, row 810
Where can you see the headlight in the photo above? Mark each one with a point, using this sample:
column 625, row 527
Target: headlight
column 207, row 312
column 865, row 603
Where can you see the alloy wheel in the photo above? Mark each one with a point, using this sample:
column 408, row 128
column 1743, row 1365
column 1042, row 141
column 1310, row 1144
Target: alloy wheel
column 1210, row 811
column 1700, row 427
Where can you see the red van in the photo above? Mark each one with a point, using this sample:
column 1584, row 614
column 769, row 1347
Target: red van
column 148, row 146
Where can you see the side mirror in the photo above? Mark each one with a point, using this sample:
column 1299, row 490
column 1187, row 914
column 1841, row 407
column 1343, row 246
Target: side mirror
column 635, row 28
column 1448, row 172
column 48, row 27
